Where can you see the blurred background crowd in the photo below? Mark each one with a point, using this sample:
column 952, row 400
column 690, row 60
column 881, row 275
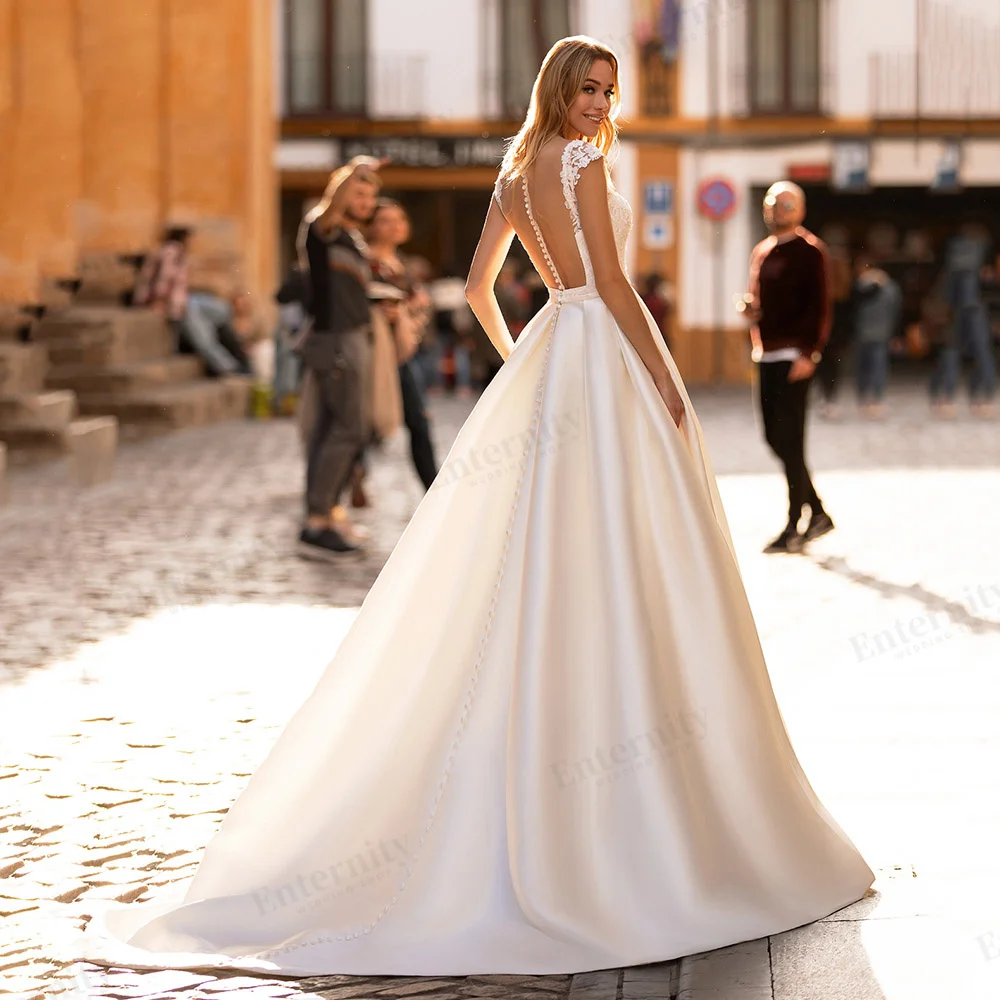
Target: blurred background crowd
column 124, row 129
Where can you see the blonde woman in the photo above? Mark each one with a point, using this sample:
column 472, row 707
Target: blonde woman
column 548, row 743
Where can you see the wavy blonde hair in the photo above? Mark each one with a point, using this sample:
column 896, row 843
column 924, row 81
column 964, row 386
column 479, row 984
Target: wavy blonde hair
column 556, row 87
column 321, row 213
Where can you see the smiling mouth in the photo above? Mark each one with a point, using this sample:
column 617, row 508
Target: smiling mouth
column 593, row 118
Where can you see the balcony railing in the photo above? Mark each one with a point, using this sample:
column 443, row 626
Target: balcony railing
column 953, row 73
column 398, row 86
column 392, row 85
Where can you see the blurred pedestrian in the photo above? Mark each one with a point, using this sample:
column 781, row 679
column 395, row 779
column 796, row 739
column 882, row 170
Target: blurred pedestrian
column 454, row 322
column 828, row 371
column 252, row 339
column 788, row 303
column 337, row 351
column 514, row 300
column 657, row 303
column 291, row 297
column 938, row 327
column 428, row 356
column 162, row 284
column 408, row 317
column 878, row 306
column 965, row 266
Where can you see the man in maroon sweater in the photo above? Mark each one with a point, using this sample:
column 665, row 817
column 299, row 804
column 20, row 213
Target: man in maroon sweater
column 789, row 304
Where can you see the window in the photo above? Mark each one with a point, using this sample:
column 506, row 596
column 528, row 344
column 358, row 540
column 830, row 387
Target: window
column 784, row 56
column 325, row 57
column 528, row 29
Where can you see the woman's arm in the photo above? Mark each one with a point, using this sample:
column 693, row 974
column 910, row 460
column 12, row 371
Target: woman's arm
column 612, row 285
column 490, row 255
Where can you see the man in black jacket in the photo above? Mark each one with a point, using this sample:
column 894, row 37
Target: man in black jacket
column 789, row 303
column 337, row 352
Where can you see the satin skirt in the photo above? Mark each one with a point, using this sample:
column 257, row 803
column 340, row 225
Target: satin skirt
column 549, row 742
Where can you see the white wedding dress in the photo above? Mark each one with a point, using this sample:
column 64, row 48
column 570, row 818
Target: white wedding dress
column 549, row 742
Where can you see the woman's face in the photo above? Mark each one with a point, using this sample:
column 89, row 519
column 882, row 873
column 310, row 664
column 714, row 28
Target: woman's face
column 593, row 102
column 390, row 226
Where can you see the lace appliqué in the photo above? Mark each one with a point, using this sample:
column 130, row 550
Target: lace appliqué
column 575, row 157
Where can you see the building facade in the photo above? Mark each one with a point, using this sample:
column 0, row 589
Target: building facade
column 888, row 114
column 119, row 118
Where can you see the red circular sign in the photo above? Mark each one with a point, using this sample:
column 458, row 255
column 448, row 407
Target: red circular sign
column 716, row 199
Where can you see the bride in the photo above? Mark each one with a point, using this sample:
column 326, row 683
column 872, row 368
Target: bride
column 548, row 743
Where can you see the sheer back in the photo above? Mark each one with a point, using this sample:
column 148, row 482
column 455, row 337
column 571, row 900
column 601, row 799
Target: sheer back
column 541, row 207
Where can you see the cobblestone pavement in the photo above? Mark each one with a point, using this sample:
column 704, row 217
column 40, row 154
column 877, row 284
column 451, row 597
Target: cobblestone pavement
column 157, row 632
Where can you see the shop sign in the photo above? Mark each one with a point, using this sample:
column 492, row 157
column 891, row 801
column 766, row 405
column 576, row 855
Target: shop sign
column 422, row 151
column 851, row 164
column 948, row 172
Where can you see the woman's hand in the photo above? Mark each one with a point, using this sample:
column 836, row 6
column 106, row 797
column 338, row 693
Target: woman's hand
column 670, row 396
column 390, row 310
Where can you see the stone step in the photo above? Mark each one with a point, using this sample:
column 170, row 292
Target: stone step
column 22, row 368
column 45, row 410
column 88, row 444
column 27, row 443
column 173, row 407
column 104, row 336
column 119, row 379
column 105, row 278
column 92, row 443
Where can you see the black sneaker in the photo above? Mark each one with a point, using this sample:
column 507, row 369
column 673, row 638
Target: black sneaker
column 325, row 543
column 819, row 525
column 788, row 541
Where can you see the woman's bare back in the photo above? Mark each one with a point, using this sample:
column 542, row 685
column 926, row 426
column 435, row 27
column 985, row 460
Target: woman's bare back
column 563, row 266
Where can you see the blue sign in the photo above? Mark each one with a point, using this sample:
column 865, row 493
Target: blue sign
column 658, row 197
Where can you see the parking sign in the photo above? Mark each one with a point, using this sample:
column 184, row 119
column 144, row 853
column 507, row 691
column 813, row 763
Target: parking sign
column 658, row 197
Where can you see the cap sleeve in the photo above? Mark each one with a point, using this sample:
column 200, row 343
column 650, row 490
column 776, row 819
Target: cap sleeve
column 576, row 155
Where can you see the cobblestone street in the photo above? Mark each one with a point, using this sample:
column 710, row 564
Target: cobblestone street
column 158, row 631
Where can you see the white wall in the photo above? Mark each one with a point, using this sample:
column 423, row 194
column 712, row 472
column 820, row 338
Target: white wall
column 610, row 22
column 863, row 27
column 693, row 83
column 446, row 32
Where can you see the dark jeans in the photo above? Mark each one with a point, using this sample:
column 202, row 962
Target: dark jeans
column 783, row 407
column 972, row 338
column 415, row 418
column 340, row 364
column 871, row 369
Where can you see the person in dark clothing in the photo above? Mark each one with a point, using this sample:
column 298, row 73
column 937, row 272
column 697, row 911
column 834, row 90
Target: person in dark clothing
column 657, row 304
column 788, row 301
column 965, row 266
column 878, row 309
column 337, row 352
column 389, row 230
column 830, row 367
